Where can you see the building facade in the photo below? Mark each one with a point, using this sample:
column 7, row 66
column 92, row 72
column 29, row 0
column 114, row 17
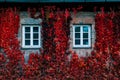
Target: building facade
column 82, row 26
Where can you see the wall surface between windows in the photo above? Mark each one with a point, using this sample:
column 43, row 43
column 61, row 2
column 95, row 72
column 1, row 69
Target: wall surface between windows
column 25, row 19
column 80, row 18
column 83, row 18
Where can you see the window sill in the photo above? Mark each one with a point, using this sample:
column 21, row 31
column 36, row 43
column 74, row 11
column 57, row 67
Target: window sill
column 30, row 48
column 82, row 47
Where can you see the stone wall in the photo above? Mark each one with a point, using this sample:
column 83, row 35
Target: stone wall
column 83, row 18
column 80, row 18
column 25, row 19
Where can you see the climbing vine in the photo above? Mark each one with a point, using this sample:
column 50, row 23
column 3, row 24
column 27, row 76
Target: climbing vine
column 11, row 56
column 53, row 62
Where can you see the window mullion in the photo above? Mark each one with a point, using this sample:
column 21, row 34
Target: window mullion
column 31, row 38
column 81, row 35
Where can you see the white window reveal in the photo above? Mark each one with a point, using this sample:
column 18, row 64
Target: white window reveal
column 81, row 36
column 31, row 36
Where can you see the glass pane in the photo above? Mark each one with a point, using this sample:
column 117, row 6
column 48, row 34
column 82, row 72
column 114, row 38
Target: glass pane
column 35, row 42
column 27, row 42
column 35, row 29
column 85, row 35
column 85, row 28
column 77, row 29
column 85, row 42
column 77, row 42
column 35, row 36
column 27, row 29
column 77, row 35
column 27, row 36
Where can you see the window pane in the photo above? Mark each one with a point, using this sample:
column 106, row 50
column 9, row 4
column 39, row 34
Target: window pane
column 77, row 29
column 85, row 35
column 77, row 42
column 85, row 28
column 85, row 42
column 27, row 36
column 35, row 42
column 35, row 29
column 35, row 36
column 77, row 35
column 27, row 29
column 27, row 42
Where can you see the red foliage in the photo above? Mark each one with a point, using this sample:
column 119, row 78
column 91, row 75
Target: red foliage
column 53, row 63
column 9, row 45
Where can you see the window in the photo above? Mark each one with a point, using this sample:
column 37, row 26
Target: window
column 81, row 36
column 31, row 36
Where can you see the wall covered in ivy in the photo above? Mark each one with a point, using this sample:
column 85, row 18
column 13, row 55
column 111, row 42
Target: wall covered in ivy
column 53, row 62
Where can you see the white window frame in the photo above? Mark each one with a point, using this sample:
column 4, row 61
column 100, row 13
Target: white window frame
column 81, row 36
column 31, row 36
